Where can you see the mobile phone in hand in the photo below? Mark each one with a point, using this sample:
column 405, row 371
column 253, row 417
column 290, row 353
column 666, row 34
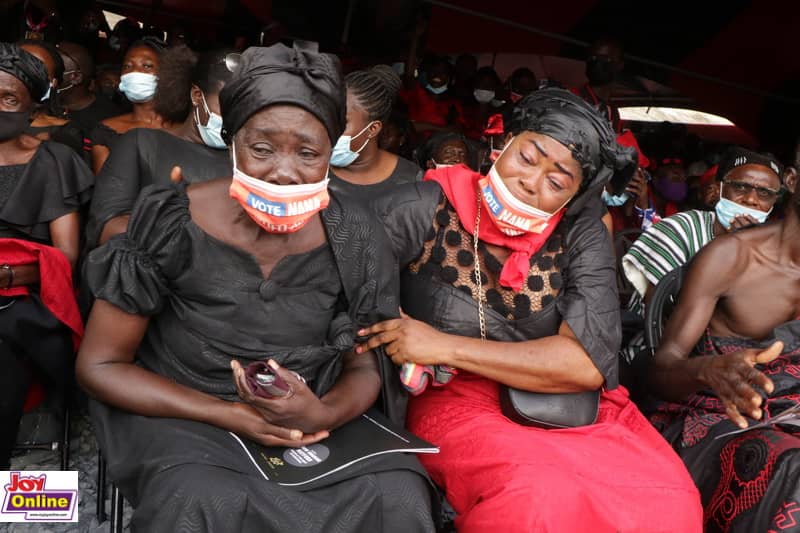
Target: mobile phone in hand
column 272, row 383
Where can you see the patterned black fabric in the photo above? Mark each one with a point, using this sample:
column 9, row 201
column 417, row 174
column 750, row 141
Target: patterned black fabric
column 751, row 481
column 585, row 277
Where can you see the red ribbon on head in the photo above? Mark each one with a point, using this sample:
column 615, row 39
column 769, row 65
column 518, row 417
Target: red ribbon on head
column 460, row 186
column 494, row 126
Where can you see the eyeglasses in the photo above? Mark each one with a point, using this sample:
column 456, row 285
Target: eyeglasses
column 740, row 188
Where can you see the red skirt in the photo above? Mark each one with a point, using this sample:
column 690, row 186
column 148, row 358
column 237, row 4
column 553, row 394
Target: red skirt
column 618, row 474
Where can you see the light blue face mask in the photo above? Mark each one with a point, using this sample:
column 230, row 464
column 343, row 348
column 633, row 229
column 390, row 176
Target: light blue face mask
column 138, row 87
column 342, row 155
column 211, row 133
column 727, row 210
column 613, row 200
column 436, row 90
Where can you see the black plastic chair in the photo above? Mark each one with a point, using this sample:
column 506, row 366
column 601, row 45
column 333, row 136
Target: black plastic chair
column 623, row 240
column 661, row 305
column 117, row 501
column 62, row 445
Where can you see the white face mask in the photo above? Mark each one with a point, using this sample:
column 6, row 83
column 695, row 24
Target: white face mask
column 138, row 87
column 483, row 96
column 342, row 155
column 441, row 165
column 727, row 210
column 211, row 132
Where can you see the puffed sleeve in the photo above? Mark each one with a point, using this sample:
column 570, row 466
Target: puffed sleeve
column 134, row 270
column 589, row 302
column 117, row 185
column 407, row 214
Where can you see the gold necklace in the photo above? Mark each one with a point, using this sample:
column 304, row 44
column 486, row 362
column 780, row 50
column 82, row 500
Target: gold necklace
column 478, row 281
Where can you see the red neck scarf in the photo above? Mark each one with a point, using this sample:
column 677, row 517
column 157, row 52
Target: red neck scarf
column 460, row 186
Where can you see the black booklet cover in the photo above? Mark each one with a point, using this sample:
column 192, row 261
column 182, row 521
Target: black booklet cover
column 363, row 437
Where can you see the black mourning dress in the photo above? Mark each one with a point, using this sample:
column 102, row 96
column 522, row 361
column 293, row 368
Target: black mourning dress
column 54, row 183
column 404, row 172
column 143, row 157
column 208, row 302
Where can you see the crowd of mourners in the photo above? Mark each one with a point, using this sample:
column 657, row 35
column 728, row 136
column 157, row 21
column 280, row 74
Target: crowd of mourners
column 423, row 237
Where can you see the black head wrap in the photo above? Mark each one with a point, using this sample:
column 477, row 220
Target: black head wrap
column 738, row 156
column 568, row 119
column 282, row 75
column 26, row 68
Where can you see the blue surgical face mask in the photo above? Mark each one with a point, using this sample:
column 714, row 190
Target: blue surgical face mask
column 138, row 87
column 727, row 210
column 614, row 200
column 436, row 90
column 211, row 132
column 342, row 155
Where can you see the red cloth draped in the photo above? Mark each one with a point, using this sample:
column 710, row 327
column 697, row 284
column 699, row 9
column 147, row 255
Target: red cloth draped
column 55, row 274
column 460, row 185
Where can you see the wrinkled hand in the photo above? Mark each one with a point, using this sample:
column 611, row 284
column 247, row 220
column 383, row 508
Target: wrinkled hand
column 407, row 341
column 247, row 422
column 742, row 221
column 733, row 376
column 300, row 409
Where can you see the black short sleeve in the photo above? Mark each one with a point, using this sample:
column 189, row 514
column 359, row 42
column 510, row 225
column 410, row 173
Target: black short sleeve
column 407, row 215
column 133, row 270
column 589, row 302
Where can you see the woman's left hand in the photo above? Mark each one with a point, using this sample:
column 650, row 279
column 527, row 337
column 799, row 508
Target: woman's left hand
column 300, row 409
column 408, row 341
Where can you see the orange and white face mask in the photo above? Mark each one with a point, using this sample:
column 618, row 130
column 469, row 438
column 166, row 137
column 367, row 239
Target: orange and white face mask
column 511, row 215
column 278, row 208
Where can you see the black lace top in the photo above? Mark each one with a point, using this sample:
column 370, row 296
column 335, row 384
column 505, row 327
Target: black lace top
column 571, row 279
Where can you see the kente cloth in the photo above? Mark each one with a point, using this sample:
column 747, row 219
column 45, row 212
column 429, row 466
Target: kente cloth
column 55, row 286
column 748, row 481
column 615, row 475
column 208, row 302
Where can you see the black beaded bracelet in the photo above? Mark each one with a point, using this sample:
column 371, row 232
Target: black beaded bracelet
column 10, row 271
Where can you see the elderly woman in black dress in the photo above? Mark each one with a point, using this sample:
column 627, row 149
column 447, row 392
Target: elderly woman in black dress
column 201, row 281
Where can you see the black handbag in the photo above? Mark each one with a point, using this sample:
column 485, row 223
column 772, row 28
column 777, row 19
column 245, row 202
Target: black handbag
column 550, row 410
column 539, row 409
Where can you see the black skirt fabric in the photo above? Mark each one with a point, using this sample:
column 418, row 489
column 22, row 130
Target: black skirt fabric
column 209, row 302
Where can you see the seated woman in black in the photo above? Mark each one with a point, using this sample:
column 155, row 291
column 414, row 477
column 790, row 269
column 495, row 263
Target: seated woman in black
column 360, row 168
column 201, row 281
column 42, row 187
column 187, row 96
column 510, row 278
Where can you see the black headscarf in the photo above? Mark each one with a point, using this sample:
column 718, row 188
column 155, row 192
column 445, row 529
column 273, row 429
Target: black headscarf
column 26, row 68
column 568, row 119
column 282, row 75
column 738, row 156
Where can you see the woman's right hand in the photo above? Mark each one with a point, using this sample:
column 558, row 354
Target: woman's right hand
column 732, row 377
column 247, row 422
